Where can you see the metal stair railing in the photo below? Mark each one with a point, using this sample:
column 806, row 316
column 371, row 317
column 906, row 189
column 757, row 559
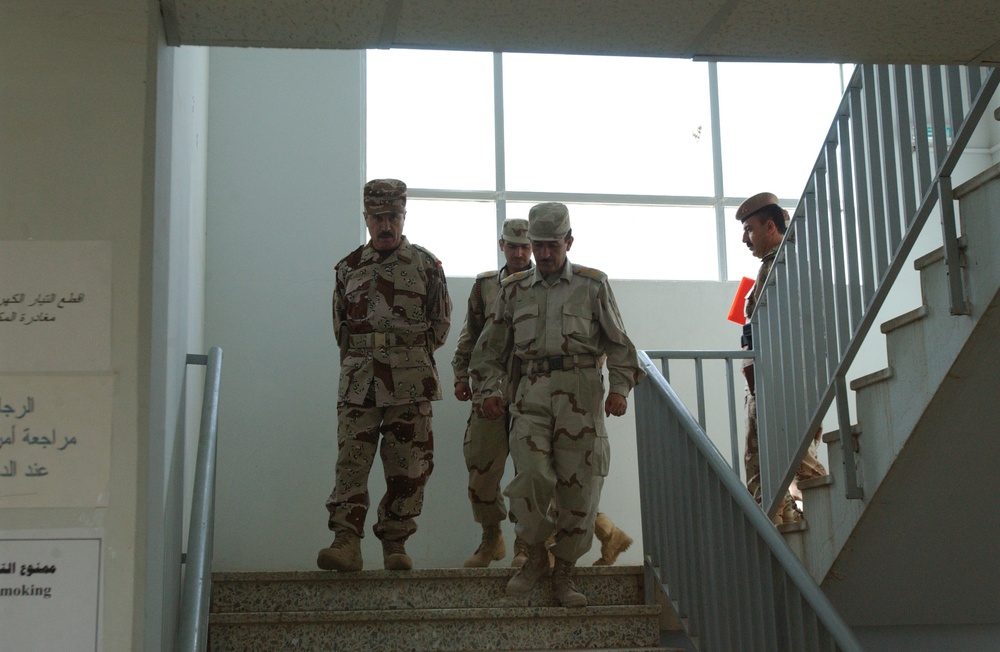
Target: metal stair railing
column 192, row 624
column 710, row 548
column 885, row 166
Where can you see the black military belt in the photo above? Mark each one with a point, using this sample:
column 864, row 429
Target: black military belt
column 558, row 363
column 383, row 340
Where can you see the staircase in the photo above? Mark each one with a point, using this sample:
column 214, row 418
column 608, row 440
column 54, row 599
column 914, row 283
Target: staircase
column 920, row 547
column 436, row 609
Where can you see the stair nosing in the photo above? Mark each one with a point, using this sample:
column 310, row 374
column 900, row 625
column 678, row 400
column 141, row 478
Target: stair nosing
column 870, row 379
column 909, row 317
column 405, row 615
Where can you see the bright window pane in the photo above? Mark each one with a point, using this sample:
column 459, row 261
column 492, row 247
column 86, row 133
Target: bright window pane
column 462, row 234
column 641, row 242
column 775, row 118
column 607, row 125
column 430, row 118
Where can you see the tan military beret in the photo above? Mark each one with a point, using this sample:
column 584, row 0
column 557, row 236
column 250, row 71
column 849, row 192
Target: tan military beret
column 515, row 231
column 548, row 221
column 754, row 204
column 385, row 196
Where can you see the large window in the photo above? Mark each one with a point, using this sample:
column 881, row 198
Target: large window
column 627, row 143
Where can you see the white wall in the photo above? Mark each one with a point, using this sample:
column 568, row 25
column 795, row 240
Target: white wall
column 78, row 86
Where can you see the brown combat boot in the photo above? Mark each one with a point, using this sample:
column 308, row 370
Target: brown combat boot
column 394, row 556
column 562, row 585
column 343, row 555
column 534, row 568
column 492, row 548
column 520, row 553
column 613, row 540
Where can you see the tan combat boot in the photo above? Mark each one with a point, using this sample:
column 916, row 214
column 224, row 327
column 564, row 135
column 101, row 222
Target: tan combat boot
column 562, row 585
column 343, row 555
column 520, row 553
column 613, row 540
column 492, row 548
column 534, row 568
column 394, row 556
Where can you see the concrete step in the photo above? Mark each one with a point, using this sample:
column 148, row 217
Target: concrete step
column 434, row 609
column 442, row 588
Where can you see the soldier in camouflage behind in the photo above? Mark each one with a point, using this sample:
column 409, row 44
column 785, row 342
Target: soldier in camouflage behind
column 485, row 444
column 391, row 311
column 764, row 223
column 556, row 320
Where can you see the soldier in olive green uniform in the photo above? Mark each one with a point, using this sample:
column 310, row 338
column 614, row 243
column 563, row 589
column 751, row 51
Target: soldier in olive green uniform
column 391, row 311
column 556, row 320
column 764, row 223
column 485, row 444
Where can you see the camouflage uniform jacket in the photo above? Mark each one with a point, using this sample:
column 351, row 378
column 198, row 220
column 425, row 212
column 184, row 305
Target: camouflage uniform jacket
column 484, row 292
column 758, row 288
column 532, row 319
column 389, row 315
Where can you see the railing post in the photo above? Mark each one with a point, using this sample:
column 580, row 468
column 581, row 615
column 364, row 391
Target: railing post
column 192, row 623
column 852, row 489
column 949, row 233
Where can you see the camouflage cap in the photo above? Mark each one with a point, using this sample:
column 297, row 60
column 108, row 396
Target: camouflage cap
column 515, row 231
column 385, row 196
column 548, row 221
column 754, row 204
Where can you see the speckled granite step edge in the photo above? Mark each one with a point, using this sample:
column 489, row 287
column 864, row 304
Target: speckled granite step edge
column 500, row 613
column 418, row 574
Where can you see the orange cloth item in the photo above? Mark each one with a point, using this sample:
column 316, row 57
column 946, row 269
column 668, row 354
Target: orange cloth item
column 737, row 311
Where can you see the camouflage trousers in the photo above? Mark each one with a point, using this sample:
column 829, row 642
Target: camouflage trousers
column 407, row 452
column 485, row 448
column 560, row 451
column 809, row 467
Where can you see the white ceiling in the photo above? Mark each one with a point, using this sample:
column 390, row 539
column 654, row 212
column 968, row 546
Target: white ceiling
column 860, row 31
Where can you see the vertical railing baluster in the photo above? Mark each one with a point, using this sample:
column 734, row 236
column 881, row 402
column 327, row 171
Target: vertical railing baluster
column 906, row 144
column 838, row 270
column 918, row 99
column 873, row 146
column 939, row 127
column 890, row 165
column 850, row 223
column 860, row 158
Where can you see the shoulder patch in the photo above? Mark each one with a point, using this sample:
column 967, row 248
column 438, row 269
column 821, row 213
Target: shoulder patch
column 514, row 278
column 590, row 272
column 488, row 274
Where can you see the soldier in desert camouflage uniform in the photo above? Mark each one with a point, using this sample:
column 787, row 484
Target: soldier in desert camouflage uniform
column 557, row 320
column 764, row 223
column 485, row 445
column 391, row 311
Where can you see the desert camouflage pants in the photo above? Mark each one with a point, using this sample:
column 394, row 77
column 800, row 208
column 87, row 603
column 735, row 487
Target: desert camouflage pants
column 560, row 450
column 810, row 467
column 407, row 452
column 485, row 448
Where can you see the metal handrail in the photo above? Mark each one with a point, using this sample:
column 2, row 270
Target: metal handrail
column 192, row 624
column 885, row 166
column 709, row 546
column 698, row 357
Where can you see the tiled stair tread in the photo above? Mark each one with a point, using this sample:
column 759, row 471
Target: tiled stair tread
column 811, row 483
column 506, row 614
column 417, row 574
column 871, row 379
column 435, row 588
column 902, row 320
column 834, row 435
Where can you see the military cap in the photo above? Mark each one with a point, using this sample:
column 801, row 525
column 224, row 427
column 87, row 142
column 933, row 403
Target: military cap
column 385, row 196
column 548, row 221
column 515, row 231
column 754, row 204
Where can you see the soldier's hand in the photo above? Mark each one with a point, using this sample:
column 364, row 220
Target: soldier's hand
column 615, row 405
column 462, row 391
column 493, row 407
